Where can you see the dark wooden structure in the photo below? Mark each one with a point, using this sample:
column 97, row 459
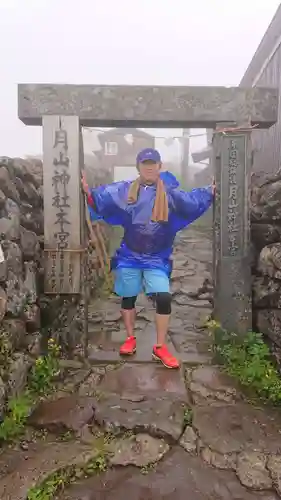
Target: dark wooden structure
column 265, row 71
column 120, row 147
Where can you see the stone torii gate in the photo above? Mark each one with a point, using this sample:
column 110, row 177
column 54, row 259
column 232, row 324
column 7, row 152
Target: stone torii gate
column 64, row 109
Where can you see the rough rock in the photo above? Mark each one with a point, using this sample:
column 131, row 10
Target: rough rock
column 3, row 303
column 274, row 467
column 208, row 383
column 16, row 331
column 3, row 272
column 17, row 295
column 13, row 256
column 265, row 234
column 21, row 273
column 10, row 227
column 2, row 199
column 186, row 301
column 90, row 384
column 219, row 460
column 7, row 185
column 29, row 170
column 252, row 471
column 113, row 315
column 269, row 263
column 140, row 450
column 11, row 207
column 27, row 192
column 73, row 377
column 2, row 396
column 18, row 371
column 189, row 439
column 30, row 281
column 32, row 219
column 31, row 316
column 266, row 204
column 232, row 428
column 41, row 460
column 178, row 476
column 69, row 413
column 266, row 267
column 269, row 323
column 29, row 244
column 159, row 416
column 266, row 293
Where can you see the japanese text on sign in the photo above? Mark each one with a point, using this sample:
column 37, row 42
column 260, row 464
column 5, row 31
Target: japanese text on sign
column 232, row 213
column 60, row 200
column 60, row 182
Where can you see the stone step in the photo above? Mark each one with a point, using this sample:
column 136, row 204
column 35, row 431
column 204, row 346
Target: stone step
column 25, row 469
column 146, row 339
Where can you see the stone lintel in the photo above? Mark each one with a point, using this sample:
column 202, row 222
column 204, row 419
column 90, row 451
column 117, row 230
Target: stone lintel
column 148, row 106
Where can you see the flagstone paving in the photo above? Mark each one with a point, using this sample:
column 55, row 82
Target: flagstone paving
column 160, row 434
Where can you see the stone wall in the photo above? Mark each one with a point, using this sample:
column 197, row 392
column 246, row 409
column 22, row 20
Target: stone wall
column 21, row 229
column 266, row 262
column 25, row 312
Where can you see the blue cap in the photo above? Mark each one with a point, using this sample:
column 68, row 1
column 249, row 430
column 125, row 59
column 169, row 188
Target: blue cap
column 149, row 154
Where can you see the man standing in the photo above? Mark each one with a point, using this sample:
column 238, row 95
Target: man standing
column 151, row 209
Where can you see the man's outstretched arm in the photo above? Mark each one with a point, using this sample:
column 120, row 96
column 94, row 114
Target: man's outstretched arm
column 191, row 205
column 102, row 203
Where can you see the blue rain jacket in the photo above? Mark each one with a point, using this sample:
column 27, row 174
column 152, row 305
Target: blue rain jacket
column 147, row 244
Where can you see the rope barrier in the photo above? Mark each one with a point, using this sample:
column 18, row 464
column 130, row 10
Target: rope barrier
column 235, row 129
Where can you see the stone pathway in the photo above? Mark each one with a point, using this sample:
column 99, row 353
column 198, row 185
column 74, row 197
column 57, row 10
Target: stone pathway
column 187, row 434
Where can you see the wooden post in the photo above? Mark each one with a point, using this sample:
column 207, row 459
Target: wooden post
column 62, row 202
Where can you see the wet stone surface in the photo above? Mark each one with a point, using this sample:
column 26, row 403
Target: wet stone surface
column 142, row 379
column 158, row 416
column 219, row 460
column 69, row 413
column 189, row 439
column 32, row 467
column 140, row 450
column 252, row 471
column 164, row 434
column 234, row 428
column 178, row 476
column 208, row 383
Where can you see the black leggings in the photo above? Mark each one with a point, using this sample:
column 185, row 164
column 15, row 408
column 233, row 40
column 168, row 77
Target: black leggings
column 163, row 303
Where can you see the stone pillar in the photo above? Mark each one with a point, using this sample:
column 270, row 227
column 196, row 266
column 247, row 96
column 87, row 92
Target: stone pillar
column 232, row 268
column 62, row 204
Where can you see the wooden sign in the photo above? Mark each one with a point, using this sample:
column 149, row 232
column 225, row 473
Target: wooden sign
column 62, row 202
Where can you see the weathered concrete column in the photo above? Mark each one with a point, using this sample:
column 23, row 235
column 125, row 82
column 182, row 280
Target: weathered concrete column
column 62, row 203
column 232, row 272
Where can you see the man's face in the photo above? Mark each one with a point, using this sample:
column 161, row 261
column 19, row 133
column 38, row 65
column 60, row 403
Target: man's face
column 149, row 171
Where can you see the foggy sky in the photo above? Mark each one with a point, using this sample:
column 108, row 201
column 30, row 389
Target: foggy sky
column 173, row 42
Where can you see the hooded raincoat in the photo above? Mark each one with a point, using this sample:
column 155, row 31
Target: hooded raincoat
column 147, row 244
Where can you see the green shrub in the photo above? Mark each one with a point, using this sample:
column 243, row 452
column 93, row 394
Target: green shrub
column 40, row 382
column 248, row 359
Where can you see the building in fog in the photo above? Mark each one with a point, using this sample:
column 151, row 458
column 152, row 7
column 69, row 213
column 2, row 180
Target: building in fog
column 265, row 71
column 119, row 148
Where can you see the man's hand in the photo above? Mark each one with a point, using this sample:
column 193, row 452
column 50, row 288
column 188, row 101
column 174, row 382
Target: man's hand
column 85, row 186
column 214, row 187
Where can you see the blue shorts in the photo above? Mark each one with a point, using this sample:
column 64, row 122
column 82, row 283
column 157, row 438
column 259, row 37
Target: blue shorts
column 130, row 282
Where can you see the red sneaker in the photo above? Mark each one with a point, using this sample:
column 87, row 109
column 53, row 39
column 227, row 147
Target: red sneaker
column 162, row 354
column 129, row 346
